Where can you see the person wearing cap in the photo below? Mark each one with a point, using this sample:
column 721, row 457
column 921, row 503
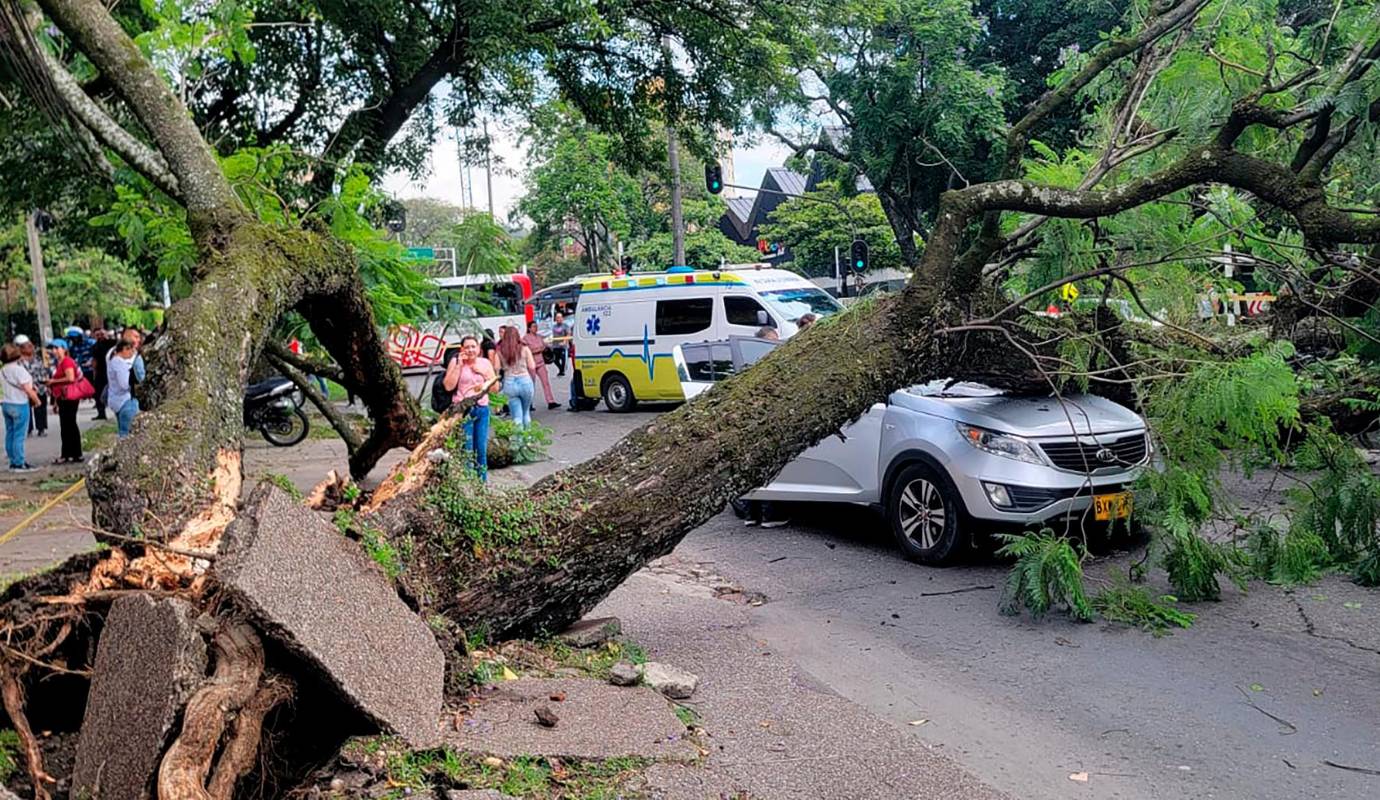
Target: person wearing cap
column 64, row 375
column 36, row 362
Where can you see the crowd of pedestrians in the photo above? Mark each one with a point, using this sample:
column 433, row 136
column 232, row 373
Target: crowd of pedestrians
column 102, row 366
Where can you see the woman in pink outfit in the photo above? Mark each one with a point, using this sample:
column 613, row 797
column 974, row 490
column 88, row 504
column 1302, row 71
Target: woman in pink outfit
column 537, row 345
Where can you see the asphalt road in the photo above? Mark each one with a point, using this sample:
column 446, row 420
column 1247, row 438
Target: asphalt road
column 1251, row 702
column 1247, row 703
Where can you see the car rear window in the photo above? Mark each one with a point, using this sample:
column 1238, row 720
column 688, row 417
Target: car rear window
column 680, row 317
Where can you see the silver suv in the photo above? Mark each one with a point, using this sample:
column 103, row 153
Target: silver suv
column 944, row 460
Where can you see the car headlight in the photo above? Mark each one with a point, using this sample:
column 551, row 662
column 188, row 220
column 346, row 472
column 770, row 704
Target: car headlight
column 999, row 444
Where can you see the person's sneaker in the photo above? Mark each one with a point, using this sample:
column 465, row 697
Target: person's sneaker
column 776, row 523
column 552, row 406
column 24, row 468
column 748, row 523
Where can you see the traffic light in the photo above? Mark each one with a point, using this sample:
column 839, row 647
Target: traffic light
column 713, row 177
column 858, row 260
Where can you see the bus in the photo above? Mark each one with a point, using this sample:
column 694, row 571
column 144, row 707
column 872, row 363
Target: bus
column 462, row 304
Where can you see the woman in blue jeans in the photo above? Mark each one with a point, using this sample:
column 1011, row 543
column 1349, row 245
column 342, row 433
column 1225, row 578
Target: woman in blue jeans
column 19, row 397
column 471, row 375
column 517, row 363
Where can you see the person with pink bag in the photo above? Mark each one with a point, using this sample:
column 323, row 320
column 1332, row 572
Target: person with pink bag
column 68, row 388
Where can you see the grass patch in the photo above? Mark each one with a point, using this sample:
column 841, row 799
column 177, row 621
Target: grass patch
column 98, row 437
column 285, row 483
column 407, row 773
column 20, row 504
column 57, row 483
column 688, row 716
column 1133, row 605
column 596, row 661
column 9, row 754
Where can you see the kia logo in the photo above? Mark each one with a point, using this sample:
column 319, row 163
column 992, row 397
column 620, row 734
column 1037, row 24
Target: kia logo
column 1105, row 455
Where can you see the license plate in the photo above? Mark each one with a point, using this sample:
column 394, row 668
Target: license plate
column 1112, row 506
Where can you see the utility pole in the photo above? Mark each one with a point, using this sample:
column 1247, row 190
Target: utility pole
column 488, row 169
column 673, row 155
column 45, row 317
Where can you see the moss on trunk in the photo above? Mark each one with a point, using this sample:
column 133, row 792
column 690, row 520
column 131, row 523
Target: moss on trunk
column 171, row 470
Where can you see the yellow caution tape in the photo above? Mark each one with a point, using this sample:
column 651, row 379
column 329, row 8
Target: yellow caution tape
column 66, row 493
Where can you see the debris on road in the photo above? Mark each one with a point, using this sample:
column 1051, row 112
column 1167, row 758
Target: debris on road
column 546, row 717
column 591, row 632
column 673, row 682
column 624, row 674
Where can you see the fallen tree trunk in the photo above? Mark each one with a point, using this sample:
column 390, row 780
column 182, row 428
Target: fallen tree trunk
column 535, row 560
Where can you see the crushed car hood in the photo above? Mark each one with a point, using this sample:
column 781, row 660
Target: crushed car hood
column 985, row 407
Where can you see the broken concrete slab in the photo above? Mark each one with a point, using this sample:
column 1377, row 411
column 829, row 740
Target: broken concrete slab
column 673, row 682
column 598, row 721
column 591, row 632
column 149, row 660
column 316, row 593
column 624, row 674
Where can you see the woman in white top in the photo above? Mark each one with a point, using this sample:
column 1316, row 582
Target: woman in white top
column 19, row 397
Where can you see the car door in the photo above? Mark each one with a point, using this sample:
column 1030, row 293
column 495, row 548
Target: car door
column 840, row 469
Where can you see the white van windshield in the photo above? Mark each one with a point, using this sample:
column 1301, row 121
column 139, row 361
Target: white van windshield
column 796, row 303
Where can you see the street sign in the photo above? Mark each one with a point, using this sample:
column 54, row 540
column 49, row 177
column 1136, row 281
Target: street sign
column 1069, row 292
column 421, row 254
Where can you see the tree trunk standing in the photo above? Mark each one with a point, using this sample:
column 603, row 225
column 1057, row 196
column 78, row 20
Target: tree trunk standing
column 156, row 481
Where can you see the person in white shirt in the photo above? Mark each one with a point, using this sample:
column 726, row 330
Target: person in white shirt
column 123, row 368
column 19, row 397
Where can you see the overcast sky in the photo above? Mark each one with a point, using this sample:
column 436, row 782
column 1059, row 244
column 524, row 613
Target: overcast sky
column 443, row 181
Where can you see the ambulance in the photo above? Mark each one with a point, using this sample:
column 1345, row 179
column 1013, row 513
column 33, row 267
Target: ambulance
column 626, row 326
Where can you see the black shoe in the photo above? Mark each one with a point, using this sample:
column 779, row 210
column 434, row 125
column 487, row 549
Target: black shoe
column 560, row 374
column 100, row 416
column 552, row 406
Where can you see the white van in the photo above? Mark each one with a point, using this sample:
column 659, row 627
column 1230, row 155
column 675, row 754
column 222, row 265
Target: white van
column 626, row 327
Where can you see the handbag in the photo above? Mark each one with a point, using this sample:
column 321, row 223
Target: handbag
column 79, row 390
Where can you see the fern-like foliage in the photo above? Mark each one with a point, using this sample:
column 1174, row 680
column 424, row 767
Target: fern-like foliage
column 1339, row 512
column 1048, row 573
column 1233, row 409
column 1133, row 605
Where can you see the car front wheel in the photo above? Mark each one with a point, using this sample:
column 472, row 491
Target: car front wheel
column 926, row 516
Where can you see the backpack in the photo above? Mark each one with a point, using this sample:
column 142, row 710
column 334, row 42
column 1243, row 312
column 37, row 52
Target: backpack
column 440, row 398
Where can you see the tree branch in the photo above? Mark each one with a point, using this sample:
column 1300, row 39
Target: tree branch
column 107, row 131
column 210, row 202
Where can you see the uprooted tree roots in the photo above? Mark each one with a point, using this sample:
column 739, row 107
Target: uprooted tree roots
column 237, row 696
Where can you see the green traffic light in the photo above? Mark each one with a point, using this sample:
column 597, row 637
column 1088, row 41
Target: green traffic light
column 860, row 263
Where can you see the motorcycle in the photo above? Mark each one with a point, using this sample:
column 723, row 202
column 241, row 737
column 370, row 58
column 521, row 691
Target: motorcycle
column 269, row 408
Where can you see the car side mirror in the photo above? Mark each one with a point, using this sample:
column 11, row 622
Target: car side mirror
column 764, row 319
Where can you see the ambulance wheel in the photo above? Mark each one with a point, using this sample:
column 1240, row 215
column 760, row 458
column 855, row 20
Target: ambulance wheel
column 618, row 394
